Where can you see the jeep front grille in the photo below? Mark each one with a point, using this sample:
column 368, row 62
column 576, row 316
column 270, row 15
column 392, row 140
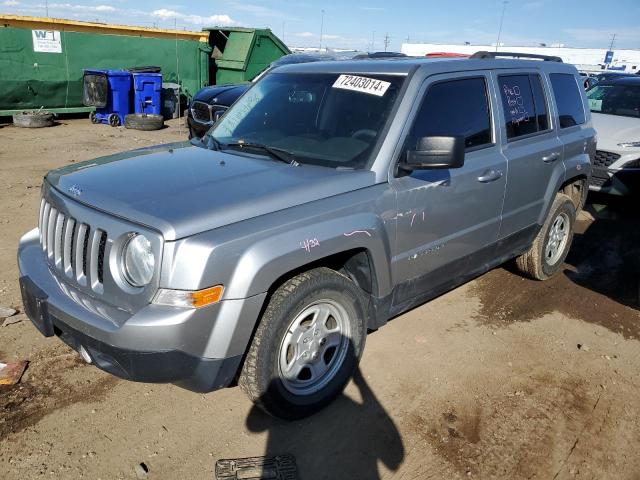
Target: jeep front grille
column 604, row 159
column 72, row 247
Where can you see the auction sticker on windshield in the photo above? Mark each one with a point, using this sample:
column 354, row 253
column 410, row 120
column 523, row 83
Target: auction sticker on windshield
column 362, row 84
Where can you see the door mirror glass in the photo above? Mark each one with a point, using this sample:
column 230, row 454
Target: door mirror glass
column 436, row 152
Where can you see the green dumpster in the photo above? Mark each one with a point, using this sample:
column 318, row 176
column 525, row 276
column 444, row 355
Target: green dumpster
column 240, row 54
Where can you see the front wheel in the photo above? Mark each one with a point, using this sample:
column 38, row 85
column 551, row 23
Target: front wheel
column 551, row 246
column 307, row 345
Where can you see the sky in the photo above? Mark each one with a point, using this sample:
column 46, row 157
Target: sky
column 363, row 25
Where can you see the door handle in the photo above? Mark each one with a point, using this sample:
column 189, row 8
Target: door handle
column 552, row 157
column 490, row 176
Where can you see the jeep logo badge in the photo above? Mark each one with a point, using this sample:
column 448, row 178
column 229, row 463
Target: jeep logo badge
column 75, row 190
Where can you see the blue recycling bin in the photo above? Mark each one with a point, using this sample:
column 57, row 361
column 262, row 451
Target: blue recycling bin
column 110, row 92
column 147, row 92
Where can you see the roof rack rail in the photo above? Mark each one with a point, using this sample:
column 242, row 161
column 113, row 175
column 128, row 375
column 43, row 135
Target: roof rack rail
column 546, row 58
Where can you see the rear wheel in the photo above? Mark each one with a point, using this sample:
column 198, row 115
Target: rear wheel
column 551, row 246
column 307, row 346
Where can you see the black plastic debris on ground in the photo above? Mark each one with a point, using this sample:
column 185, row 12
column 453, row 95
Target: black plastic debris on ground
column 280, row 467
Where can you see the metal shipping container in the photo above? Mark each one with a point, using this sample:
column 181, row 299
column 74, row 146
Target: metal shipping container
column 42, row 59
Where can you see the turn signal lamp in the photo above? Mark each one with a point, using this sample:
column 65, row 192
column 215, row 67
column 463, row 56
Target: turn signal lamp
column 189, row 298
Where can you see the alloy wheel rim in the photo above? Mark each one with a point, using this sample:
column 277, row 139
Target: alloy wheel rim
column 557, row 240
column 314, row 347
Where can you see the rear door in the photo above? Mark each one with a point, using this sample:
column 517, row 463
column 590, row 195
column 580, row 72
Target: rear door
column 574, row 126
column 447, row 219
column 533, row 151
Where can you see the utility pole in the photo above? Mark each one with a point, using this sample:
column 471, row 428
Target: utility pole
column 321, row 28
column 387, row 41
column 283, row 31
column 373, row 41
column 613, row 39
column 46, row 8
column 504, row 7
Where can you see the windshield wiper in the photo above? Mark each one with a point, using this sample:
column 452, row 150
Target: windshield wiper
column 279, row 154
column 212, row 142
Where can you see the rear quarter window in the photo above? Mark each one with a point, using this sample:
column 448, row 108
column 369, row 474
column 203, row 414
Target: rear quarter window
column 568, row 99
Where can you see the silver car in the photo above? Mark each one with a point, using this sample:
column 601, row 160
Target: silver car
column 331, row 197
column 615, row 108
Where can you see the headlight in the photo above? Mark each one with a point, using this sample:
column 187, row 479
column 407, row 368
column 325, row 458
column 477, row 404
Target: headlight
column 138, row 261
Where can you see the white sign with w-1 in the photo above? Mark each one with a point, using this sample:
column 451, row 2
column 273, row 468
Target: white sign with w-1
column 47, row 41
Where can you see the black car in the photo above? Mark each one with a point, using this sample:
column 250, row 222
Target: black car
column 612, row 75
column 211, row 102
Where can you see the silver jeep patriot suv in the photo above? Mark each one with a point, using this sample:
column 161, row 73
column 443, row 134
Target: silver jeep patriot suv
column 328, row 199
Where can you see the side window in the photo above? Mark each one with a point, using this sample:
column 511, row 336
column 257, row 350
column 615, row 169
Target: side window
column 524, row 104
column 568, row 99
column 540, row 102
column 452, row 108
column 517, row 101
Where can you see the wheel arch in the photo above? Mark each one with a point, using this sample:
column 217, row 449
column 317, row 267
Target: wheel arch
column 577, row 189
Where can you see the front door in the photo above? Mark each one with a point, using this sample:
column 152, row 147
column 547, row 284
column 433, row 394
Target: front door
column 447, row 219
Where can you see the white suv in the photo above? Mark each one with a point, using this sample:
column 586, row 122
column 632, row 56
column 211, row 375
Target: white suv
column 615, row 105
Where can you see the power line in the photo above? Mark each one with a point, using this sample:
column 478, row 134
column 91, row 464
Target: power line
column 504, row 7
column 321, row 28
column 387, row 41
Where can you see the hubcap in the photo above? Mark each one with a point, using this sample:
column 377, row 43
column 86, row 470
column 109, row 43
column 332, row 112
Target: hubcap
column 314, row 347
column 558, row 236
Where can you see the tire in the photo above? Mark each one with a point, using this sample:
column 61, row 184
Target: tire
column 142, row 121
column 33, row 119
column 93, row 118
column 287, row 317
column 541, row 261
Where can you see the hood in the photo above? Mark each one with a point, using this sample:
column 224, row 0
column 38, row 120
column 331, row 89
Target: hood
column 614, row 129
column 180, row 189
column 221, row 94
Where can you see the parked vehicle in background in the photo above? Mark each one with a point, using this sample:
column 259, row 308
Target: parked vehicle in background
column 611, row 75
column 588, row 79
column 329, row 198
column 615, row 107
column 211, row 102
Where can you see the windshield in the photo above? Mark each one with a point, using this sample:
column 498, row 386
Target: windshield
column 323, row 119
column 615, row 99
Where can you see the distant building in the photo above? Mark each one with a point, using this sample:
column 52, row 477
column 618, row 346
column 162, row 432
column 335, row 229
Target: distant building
column 627, row 60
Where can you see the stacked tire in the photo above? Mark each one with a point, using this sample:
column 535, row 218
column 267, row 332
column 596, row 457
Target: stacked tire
column 33, row 119
column 144, row 121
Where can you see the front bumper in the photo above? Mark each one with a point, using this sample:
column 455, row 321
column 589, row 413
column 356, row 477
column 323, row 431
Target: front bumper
column 615, row 182
column 198, row 349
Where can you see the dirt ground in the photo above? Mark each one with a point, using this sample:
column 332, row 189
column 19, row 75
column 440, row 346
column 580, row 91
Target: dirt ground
column 501, row 378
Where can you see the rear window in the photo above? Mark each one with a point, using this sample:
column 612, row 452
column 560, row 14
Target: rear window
column 568, row 99
column 524, row 105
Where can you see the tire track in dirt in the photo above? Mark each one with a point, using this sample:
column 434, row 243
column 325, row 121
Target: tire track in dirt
column 54, row 379
column 600, row 282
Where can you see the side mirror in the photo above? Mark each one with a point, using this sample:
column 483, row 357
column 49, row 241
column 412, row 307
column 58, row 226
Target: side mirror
column 436, row 152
